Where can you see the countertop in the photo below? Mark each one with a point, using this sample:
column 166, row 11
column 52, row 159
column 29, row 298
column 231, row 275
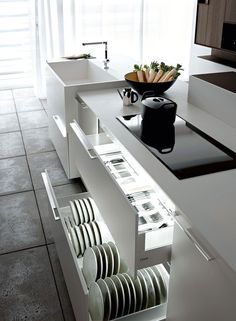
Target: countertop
column 207, row 201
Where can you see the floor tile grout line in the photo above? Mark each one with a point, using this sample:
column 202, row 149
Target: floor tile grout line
column 56, row 286
column 15, row 192
column 32, row 128
column 34, row 190
column 40, row 218
column 18, row 112
column 25, row 249
column 12, row 131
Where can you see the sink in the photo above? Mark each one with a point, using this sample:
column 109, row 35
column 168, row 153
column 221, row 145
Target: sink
column 65, row 79
column 76, row 72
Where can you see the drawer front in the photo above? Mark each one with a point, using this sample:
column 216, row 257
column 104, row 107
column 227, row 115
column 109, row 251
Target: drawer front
column 201, row 287
column 120, row 217
column 75, row 282
column 58, row 135
column 55, row 95
column 71, row 266
column 74, row 279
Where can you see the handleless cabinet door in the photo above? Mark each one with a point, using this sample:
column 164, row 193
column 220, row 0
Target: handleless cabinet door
column 201, row 24
column 230, row 12
column 199, row 289
column 216, row 13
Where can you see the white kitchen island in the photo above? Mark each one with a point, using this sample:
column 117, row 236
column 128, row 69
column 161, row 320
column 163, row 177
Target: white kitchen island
column 208, row 288
column 202, row 282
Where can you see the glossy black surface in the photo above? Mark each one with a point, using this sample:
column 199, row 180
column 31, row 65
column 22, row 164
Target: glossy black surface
column 182, row 148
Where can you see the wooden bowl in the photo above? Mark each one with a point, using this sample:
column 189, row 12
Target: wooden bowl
column 158, row 87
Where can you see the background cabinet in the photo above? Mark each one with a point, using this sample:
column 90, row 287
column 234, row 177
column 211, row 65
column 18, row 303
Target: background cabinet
column 210, row 19
column 199, row 289
column 230, row 11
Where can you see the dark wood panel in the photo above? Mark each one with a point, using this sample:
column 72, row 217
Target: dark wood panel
column 201, row 23
column 216, row 15
column 226, row 80
column 230, row 12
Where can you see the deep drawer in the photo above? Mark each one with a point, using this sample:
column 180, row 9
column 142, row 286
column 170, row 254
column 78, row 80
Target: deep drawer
column 72, row 266
column 138, row 250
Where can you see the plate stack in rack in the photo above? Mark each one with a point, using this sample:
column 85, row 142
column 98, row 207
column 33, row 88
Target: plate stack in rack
column 84, row 228
column 113, row 292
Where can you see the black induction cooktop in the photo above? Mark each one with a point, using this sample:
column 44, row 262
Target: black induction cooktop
column 184, row 149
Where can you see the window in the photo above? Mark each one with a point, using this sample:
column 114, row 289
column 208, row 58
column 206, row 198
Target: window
column 15, row 44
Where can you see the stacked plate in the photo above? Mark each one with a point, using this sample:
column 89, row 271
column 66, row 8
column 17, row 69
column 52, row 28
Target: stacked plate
column 120, row 294
column 101, row 261
column 83, row 210
column 84, row 236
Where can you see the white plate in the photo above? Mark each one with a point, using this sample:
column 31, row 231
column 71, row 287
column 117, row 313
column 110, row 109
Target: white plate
column 104, row 261
column 127, row 293
column 99, row 262
column 85, row 236
column 75, row 242
column 123, row 266
column 90, row 234
column 121, row 295
column 78, row 240
column 67, row 223
column 163, row 286
column 133, row 301
column 151, row 290
column 95, row 232
column 99, row 301
column 90, row 202
column 114, row 297
column 94, row 207
column 99, row 231
column 71, row 221
column 90, row 266
column 110, row 258
column 156, row 285
column 79, row 212
column 89, row 209
column 116, row 255
column 74, row 212
column 139, row 293
column 106, row 300
column 84, row 210
column 144, row 289
column 81, row 240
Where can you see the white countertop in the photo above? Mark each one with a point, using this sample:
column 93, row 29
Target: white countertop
column 207, row 201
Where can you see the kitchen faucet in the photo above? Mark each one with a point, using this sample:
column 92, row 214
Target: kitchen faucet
column 100, row 43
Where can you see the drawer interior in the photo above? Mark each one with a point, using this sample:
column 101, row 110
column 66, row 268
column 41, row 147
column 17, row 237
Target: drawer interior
column 79, row 291
column 140, row 203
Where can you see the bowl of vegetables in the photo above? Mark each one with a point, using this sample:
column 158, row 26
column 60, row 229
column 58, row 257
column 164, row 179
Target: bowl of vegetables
column 156, row 77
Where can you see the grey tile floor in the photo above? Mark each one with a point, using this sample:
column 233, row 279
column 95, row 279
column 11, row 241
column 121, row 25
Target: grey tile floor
column 32, row 286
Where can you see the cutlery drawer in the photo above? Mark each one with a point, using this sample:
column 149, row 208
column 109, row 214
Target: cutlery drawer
column 139, row 250
column 72, row 265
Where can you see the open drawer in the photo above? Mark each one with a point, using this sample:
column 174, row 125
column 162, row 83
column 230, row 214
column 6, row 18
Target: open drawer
column 139, row 247
column 72, row 265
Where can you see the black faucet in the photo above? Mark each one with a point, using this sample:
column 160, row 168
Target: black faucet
column 100, row 43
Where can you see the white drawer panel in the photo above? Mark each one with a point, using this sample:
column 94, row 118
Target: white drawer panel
column 73, row 275
column 71, row 266
column 58, row 135
column 120, row 218
column 55, row 95
column 119, row 215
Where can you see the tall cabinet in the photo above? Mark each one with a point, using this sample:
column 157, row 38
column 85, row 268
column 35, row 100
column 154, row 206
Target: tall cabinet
column 210, row 19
